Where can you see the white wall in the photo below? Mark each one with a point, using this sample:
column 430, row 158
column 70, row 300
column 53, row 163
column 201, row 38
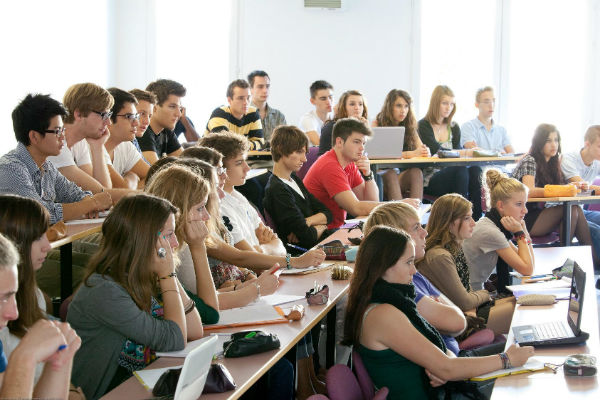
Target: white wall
column 352, row 48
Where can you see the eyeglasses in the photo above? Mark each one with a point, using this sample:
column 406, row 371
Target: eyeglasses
column 57, row 131
column 130, row 117
column 104, row 115
column 221, row 170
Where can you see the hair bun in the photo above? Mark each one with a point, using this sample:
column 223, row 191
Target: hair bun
column 493, row 177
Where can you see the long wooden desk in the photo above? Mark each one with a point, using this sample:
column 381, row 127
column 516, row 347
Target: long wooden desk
column 546, row 384
column 73, row 233
column 247, row 370
column 422, row 162
column 567, row 202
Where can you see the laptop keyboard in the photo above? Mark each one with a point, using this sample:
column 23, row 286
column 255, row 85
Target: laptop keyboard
column 551, row 330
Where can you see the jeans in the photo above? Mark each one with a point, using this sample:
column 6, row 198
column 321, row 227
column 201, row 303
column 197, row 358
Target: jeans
column 593, row 219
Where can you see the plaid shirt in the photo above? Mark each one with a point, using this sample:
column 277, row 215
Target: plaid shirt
column 20, row 175
column 525, row 167
column 273, row 118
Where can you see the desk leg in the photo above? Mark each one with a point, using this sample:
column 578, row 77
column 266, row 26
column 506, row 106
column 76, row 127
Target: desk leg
column 66, row 270
column 566, row 226
column 330, row 342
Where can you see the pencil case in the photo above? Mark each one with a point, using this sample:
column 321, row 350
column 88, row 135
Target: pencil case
column 560, row 191
column 246, row 343
column 334, row 250
column 448, row 154
column 317, row 298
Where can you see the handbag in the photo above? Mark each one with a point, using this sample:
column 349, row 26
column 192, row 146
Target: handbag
column 247, row 343
column 219, row 380
column 167, row 383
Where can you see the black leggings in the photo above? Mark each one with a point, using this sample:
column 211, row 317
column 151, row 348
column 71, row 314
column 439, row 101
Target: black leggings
column 465, row 181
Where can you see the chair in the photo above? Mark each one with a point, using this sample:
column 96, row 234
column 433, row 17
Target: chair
column 311, row 157
column 364, row 380
column 545, row 241
column 594, row 207
column 269, row 221
column 343, row 385
column 64, row 308
column 318, row 397
column 477, row 339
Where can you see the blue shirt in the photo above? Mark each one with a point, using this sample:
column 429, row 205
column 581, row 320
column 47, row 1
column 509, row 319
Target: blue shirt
column 3, row 360
column 424, row 288
column 20, row 175
column 474, row 130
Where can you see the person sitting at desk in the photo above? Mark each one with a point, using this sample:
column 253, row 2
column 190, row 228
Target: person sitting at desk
column 444, row 264
column 438, row 131
column 27, row 172
column 299, row 218
column 381, row 303
column 145, row 108
column 270, row 118
column 48, row 343
column 351, row 104
column 131, row 303
column 397, row 111
column 321, row 96
column 482, row 131
column 492, row 234
column 541, row 166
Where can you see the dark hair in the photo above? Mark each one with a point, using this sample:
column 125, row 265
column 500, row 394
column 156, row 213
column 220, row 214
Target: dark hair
column 385, row 117
column 319, row 85
column 128, row 246
column 546, row 173
column 24, row 221
column 254, row 74
column 208, row 154
column 144, row 95
column 227, row 143
column 344, row 127
column 433, row 112
column 121, row 98
column 378, row 251
column 34, row 113
column 287, row 139
column 237, row 83
column 163, row 88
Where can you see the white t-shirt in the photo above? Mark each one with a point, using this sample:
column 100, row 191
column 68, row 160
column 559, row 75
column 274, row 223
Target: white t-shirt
column 311, row 122
column 292, row 183
column 242, row 216
column 78, row 155
column 572, row 165
column 126, row 156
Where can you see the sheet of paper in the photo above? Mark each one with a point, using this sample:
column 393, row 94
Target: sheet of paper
column 222, row 338
column 278, row 299
column 85, row 221
column 248, row 314
column 294, row 271
column 533, row 364
column 534, row 287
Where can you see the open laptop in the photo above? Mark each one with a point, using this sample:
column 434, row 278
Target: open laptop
column 195, row 370
column 387, row 142
column 558, row 332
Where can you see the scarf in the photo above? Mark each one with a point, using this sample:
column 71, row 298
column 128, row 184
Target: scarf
column 495, row 217
column 502, row 268
column 461, row 265
column 403, row 298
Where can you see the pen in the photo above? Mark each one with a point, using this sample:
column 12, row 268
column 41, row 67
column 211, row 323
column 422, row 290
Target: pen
column 62, row 347
column 538, row 276
column 293, row 246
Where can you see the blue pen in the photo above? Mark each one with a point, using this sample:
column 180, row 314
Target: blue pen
column 539, row 276
column 293, row 246
column 62, row 347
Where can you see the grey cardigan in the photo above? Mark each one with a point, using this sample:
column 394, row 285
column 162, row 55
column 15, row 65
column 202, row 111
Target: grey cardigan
column 104, row 315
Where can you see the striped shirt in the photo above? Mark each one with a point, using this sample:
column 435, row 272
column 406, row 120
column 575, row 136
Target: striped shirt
column 20, row 175
column 249, row 126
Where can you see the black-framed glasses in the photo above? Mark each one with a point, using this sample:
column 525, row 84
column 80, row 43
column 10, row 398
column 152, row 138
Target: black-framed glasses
column 57, row 131
column 104, row 115
column 130, row 117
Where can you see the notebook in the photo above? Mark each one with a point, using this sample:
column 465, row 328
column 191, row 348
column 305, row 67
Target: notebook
column 387, row 142
column 558, row 332
column 193, row 375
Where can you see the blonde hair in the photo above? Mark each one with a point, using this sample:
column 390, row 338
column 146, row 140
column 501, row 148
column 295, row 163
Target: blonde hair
column 182, row 187
column 394, row 213
column 86, row 97
column 444, row 211
column 433, row 112
column 499, row 187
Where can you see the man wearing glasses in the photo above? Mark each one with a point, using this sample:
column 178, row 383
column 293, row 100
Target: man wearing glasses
column 25, row 171
column 159, row 138
column 125, row 164
column 483, row 132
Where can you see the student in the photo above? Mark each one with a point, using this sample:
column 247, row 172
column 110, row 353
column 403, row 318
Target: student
column 270, row 118
column 434, row 307
column 50, row 343
column 492, row 234
column 351, row 104
column 321, row 96
column 541, row 166
column 238, row 117
column 145, row 108
column 582, row 168
column 397, row 111
column 438, row 131
column 483, row 132
column 450, row 224
column 127, row 168
column 26, row 171
column 186, row 126
column 159, row 139
column 381, row 304
column 131, row 303
column 299, row 218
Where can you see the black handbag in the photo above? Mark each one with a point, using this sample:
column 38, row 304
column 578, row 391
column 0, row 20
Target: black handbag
column 219, row 380
column 250, row 342
column 167, row 383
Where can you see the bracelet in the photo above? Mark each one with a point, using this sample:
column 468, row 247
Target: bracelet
column 171, row 275
column 519, row 235
column 288, row 261
column 169, row 290
column 367, row 177
column 189, row 307
column 505, row 361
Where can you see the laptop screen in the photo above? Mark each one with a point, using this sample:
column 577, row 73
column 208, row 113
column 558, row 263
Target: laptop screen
column 576, row 298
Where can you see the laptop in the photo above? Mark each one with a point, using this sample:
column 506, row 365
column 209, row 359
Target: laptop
column 559, row 332
column 195, row 370
column 386, row 142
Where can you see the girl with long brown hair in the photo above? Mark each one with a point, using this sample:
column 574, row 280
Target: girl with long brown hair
column 351, row 104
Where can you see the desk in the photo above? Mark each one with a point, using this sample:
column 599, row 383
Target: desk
column 567, row 202
column 247, row 370
column 545, row 384
column 422, row 162
column 73, row 233
column 259, row 155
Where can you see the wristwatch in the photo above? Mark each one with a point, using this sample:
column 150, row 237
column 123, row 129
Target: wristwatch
column 367, row 177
